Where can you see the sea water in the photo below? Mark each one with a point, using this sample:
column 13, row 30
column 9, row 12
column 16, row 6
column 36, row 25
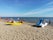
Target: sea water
column 31, row 19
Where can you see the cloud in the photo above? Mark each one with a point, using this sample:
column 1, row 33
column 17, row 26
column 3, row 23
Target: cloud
column 38, row 12
column 50, row 4
column 48, row 7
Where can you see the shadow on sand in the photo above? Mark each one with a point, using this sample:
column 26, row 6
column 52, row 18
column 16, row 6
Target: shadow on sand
column 7, row 24
column 36, row 26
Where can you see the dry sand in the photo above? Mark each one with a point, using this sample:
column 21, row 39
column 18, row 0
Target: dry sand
column 25, row 32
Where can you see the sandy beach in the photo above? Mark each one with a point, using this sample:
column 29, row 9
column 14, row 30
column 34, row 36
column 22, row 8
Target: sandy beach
column 25, row 32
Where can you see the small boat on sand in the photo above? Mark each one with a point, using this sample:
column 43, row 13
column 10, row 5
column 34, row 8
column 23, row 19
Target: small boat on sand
column 41, row 23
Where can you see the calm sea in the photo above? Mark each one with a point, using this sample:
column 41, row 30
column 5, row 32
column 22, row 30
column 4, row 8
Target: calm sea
column 31, row 19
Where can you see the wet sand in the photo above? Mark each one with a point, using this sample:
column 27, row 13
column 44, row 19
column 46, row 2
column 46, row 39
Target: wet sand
column 25, row 32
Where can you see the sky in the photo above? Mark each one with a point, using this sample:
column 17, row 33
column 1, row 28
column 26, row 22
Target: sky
column 26, row 8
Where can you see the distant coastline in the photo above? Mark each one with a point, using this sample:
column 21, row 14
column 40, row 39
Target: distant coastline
column 31, row 19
